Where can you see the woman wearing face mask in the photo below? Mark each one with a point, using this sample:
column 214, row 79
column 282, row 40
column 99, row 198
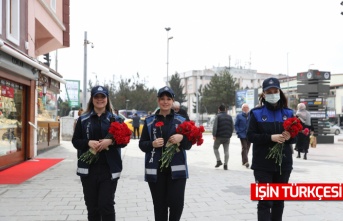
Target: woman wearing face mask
column 265, row 129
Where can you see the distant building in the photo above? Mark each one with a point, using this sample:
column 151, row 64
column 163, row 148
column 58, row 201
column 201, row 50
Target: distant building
column 251, row 79
column 247, row 79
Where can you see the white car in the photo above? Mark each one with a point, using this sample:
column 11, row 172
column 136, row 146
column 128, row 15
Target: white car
column 331, row 129
column 334, row 129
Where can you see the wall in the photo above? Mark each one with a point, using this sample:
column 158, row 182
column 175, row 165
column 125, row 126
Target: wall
column 67, row 128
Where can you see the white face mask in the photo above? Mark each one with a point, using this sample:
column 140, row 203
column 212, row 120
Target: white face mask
column 272, row 98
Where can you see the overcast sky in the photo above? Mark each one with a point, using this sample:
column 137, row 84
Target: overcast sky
column 270, row 36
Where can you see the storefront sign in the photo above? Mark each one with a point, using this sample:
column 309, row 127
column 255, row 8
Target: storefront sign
column 17, row 66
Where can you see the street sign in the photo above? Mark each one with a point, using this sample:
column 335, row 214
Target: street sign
column 314, row 75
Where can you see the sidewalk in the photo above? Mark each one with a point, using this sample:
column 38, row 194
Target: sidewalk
column 211, row 193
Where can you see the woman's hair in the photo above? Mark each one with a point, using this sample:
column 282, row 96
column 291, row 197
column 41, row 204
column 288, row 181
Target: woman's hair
column 283, row 100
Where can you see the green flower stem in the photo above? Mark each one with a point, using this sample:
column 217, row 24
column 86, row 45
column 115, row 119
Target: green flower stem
column 168, row 155
column 89, row 157
column 276, row 153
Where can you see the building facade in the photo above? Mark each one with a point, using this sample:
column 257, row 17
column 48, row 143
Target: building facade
column 251, row 79
column 192, row 80
column 29, row 88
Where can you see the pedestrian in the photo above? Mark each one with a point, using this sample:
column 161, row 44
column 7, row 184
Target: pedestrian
column 222, row 132
column 167, row 185
column 178, row 110
column 241, row 125
column 265, row 129
column 303, row 140
column 135, row 124
column 99, row 180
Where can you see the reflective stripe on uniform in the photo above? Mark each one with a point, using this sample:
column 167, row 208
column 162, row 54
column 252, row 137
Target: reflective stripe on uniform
column 82, row 170
column 178, row 167
column 115, row 175
column 151, row 171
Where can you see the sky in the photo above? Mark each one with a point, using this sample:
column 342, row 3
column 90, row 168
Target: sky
column 269, row 36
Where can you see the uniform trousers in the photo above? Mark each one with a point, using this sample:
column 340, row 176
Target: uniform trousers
column 268, row 210
column 99, row 190
column 167, row 193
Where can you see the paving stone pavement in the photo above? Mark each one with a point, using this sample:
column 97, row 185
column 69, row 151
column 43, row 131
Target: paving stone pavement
column 211, row 193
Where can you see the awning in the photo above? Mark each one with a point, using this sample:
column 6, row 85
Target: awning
column 16, row 54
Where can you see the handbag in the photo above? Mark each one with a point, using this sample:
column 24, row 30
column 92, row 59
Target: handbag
column 313, row 141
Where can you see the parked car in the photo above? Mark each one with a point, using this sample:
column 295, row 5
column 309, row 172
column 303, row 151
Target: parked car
column 128, row 122
column 130, row 113
column 334, row 129
column 329, row 128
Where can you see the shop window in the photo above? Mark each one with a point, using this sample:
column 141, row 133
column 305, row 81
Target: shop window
column 11, row 100
column 47, row 119
column 47, row 104
column 13, row 20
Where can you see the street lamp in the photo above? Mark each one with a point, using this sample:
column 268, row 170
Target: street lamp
column 168, row 38
column 84, row 98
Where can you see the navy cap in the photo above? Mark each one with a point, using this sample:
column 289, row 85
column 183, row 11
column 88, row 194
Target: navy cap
column 167, row 90
column 99, row 90
column 271, row 82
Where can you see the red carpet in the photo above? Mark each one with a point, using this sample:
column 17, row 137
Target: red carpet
column 24, row 171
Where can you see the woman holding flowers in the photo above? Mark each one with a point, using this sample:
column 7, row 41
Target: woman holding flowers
column 167, row 180
column 272, row 154
column 99, row 159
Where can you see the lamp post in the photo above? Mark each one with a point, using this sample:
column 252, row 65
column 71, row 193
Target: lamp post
column 84, row 98
column 168, row 38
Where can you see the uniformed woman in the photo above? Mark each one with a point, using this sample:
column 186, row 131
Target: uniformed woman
column 167, row 185
column 99, row 179
column 265, row 129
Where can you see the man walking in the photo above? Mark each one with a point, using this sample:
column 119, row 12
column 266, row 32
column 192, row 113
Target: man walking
column 222, row 132
column 241, row 126
column 135, row 125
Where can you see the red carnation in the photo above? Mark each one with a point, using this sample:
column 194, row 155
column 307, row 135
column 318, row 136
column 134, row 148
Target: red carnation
column 159, row 124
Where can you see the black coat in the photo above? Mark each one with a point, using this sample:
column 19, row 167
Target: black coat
column 183, row 113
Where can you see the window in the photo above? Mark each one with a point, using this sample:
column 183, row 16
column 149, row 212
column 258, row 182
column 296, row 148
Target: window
column 53, row 5
column 11, row 100
column 12, row 20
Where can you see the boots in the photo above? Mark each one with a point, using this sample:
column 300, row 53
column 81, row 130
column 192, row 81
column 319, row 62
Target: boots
column 225, row 167
column 305, row 156
column 298, row 154
column 219, row 163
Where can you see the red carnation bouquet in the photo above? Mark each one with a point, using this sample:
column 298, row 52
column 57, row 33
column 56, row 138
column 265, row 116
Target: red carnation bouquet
column 193, row 134
column 121, row 134
column 293, row 126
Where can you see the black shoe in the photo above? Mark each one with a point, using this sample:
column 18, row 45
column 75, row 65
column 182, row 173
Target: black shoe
column 298, row 156
column 219, row 163
column 225, row 167
column 305, row 157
